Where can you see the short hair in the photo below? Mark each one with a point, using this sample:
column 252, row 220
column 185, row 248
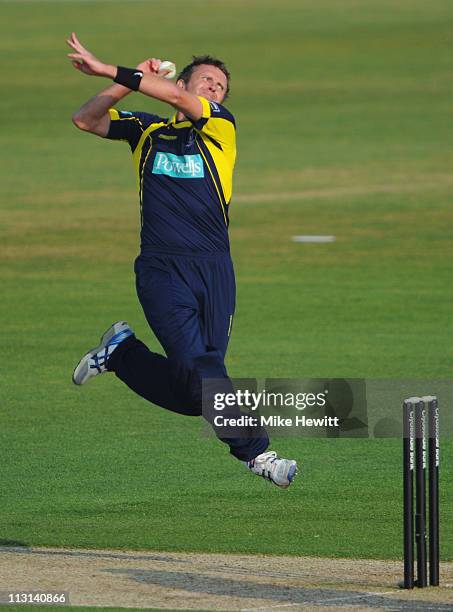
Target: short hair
column 199, row 60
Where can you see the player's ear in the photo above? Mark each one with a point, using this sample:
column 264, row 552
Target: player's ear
column 180, row 83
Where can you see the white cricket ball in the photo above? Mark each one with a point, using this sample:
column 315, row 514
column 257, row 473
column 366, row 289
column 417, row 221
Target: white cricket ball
column 166, row 65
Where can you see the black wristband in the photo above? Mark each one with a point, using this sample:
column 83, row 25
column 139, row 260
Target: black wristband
column 128, row 77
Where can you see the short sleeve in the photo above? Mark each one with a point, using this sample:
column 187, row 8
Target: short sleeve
column 218, row 123
column 130, row 125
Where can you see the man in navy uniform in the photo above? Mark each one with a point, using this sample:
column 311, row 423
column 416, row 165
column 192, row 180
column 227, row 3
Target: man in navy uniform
column 184, row 274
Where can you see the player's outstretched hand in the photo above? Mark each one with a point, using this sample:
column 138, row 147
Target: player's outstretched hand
column 86, row 62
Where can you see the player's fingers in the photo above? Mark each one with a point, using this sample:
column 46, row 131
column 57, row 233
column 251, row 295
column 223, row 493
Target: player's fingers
column 71, row 40
column 76, row 43
column 76, row 56
column 155, row 63
column 79, row 66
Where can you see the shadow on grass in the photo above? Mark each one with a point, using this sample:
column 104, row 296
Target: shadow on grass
column 12, row 543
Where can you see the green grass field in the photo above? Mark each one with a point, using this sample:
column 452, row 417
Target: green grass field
column 345, row 122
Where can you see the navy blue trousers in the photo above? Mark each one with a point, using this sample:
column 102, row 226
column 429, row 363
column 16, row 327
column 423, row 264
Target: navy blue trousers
column 189, row 303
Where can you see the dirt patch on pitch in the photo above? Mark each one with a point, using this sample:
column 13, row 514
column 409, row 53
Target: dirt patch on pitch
column 195, row 581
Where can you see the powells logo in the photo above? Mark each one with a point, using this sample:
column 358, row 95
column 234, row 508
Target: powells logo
column 179, row 166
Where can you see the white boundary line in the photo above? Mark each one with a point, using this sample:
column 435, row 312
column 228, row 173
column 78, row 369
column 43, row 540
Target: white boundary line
column 310, row 238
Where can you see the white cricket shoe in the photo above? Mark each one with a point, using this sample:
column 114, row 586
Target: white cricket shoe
column 279, row 471
column 95, row 361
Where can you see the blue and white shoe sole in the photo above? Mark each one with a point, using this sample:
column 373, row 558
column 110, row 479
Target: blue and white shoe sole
column 83, row 372
column 292, row 473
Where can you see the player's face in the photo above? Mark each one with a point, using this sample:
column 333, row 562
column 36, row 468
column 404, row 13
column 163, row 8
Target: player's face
column 209, row 82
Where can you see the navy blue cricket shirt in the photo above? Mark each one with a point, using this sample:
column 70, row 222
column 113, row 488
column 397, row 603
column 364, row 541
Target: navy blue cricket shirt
column 184, row 174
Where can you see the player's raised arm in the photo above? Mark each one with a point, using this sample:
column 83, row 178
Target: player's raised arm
column 93, row 116
column 140, row 79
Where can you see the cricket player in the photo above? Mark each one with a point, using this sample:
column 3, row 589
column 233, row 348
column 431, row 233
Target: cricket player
column 184, row 274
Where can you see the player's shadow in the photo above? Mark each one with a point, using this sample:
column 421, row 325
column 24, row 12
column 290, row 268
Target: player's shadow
column 220, row 586
column 4, row 542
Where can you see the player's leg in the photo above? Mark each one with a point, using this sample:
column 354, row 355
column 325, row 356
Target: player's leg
column 212, row 281
column 217, row 319
column 148, row 374
column 172, row 313
column 173, row 291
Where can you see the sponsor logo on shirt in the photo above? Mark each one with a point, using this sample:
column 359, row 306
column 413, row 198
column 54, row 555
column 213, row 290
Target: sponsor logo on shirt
column 179, row 166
